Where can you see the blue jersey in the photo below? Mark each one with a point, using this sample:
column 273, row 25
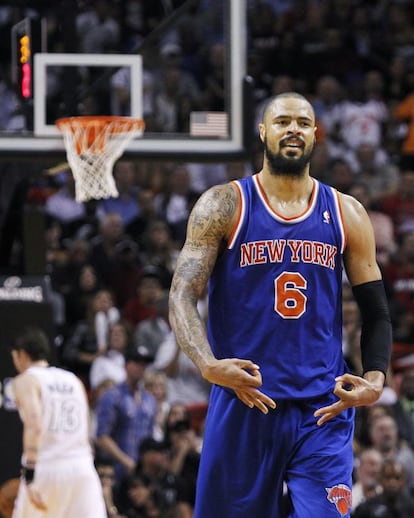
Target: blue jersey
column 275, row 293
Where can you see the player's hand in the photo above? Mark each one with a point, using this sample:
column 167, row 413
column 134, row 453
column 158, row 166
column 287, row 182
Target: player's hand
column 352, row 391
column 35, row 497
column 255, row 398
column 243, row 376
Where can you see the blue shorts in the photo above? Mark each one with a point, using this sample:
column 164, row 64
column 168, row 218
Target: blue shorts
column 248, row 459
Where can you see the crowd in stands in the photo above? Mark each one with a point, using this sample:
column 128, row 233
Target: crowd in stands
column 111, row 261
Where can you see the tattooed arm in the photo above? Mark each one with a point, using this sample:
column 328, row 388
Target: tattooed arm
column 209, row 227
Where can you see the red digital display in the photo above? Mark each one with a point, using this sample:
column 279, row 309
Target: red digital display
column 26, row 67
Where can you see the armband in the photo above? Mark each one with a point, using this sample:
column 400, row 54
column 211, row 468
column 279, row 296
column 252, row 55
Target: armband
column 28, row 474
column 376, row 330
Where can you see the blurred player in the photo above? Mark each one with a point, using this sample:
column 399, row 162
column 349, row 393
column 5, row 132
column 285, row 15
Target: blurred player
column 59, row 479
column 272, row 247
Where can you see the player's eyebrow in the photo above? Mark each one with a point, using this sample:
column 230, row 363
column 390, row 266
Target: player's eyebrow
column 299, row 118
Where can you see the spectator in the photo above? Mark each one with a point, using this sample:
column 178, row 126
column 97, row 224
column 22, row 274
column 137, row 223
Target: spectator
column 185, row 448
column 368, row 468
column 384, row 437
column 63, row 206
column 95, row 395
column 328, row 94
column 235, row 170
column 140, row 499
column 190, row 41
column 125, row 415
column 121, row 98
column 400, row 204
column 359, row 119
column 65, row 276
column 263, row 41
column 364, row 417
column 81, row 292
column 56, row 253
column 111, row 364
column 10, row 105
column 174, row 204
column 176, row 93
column 185, row 382
column 213, row 96
column 397, row 86
column 125, row 270
column 395, row 500
column 340, row 175
column 404, row 406
column 382, row 223
column 103, row 246
column 320, row 162
column 160, row 250
column 375, row 169
column 203, row 176
column 351, row 326
column 125, row 204
column 169, row 490
column 399, row 276
column 152, row 331
column 148, row 292
column 97, row 29
column 106, row 474
column 137, row 228
column 156, row 383
column 403, row 111
column 106, row 314
column 81, row 346
column 178, row 412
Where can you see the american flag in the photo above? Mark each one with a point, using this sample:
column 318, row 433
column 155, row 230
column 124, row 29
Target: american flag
column 209, row 124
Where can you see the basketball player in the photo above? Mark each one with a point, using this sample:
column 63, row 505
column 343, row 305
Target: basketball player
column 272, row 247
column 58, row 475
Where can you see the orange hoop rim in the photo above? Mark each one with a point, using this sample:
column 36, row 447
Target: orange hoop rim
column 101, row 121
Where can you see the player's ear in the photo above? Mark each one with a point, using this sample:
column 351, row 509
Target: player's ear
column 262, row 132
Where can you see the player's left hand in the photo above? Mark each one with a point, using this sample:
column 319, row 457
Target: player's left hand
column 352, row 391
column 252, row 397
column 36, row 498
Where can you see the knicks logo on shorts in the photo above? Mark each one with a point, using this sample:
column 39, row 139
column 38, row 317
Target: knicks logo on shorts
column 341, row 496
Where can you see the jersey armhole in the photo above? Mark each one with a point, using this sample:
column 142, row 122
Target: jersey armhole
column 236, row 229
column 341, row 220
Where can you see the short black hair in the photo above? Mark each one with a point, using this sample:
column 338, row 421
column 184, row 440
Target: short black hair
column 150, row 444
column 34, row 342
column 283, row 95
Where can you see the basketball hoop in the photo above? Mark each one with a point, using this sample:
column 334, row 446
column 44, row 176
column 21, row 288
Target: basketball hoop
column 93, row 144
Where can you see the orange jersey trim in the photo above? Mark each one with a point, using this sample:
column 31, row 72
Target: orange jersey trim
column 341, row 220
column 240, row 215
column 280, row 217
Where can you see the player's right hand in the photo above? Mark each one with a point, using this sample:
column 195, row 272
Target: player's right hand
column 243, row 376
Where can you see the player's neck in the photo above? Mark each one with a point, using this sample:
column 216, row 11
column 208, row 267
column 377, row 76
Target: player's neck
column 38, row 363
column 286, row 189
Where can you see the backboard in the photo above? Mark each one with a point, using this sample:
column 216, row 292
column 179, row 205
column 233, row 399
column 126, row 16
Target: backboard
column 69, row 84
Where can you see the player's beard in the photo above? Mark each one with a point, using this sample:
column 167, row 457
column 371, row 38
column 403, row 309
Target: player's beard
column 280, row 165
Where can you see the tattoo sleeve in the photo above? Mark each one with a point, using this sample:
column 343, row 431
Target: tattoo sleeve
column 209, row 226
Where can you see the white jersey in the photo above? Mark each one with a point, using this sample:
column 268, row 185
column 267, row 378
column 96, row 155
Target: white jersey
column 65, row 475
column 65, row 415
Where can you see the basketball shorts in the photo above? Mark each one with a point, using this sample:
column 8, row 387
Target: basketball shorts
column 70, row 489
column 276, row 465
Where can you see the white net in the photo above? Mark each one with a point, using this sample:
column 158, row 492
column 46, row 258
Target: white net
column 92, row 147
